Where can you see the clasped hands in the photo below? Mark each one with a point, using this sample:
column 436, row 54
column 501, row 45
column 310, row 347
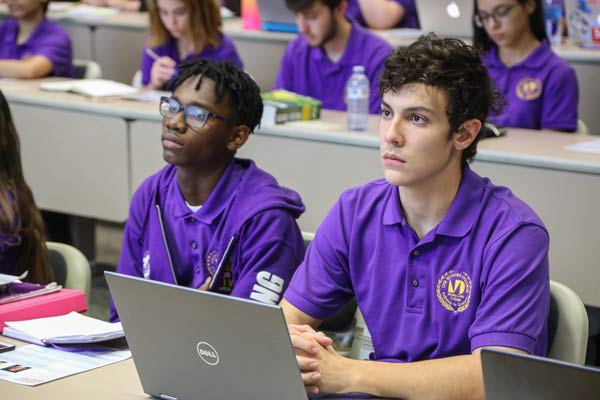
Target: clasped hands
column 321, row 367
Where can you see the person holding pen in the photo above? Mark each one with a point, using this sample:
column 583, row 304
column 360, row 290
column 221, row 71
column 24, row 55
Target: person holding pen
column 209, row 220
column 183, row 30
column 30, row 45
column 22, row 240
column 540, row 88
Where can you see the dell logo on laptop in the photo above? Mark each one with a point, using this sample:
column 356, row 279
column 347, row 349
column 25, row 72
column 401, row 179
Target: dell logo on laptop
column 207, row 353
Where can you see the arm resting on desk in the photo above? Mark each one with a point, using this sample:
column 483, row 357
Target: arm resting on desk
column 34, row 67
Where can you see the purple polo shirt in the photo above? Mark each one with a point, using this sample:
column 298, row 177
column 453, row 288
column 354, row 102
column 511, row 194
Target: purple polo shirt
column 225, row 51
column 307, row 70
column 541, row 92
column 479, row 278
column 48, row 39
column 410, row 19
column 247, row 204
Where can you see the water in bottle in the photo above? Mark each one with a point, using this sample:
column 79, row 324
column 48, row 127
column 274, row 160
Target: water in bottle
column 357, row 99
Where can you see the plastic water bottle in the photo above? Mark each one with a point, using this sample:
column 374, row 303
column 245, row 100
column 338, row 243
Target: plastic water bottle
column 357, row 99
column 553, row 19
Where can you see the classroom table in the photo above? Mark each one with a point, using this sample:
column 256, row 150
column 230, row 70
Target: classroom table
column 118, row 381
column 116, row 43
column 86, row 157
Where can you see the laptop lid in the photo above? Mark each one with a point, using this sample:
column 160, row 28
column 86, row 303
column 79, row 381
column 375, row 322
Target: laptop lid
column 275, row 16
column 190, row 344
column 447, row 18
column 517, row 376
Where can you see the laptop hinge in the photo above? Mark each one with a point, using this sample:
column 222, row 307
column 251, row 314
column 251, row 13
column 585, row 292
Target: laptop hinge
column 167, row 397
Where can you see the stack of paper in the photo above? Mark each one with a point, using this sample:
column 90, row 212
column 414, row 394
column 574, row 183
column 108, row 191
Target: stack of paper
column 73, row 328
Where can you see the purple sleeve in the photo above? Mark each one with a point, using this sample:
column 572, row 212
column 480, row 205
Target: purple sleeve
column 322, row 283
column 515, row 292
column 375, row 69
column 130, row 261
column 270, row 249
column 229, row 53
column 146, row 67
column 284, row 79
column 55, row 45
column 561, row 100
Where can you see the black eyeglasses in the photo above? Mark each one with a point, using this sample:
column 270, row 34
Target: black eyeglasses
column 194, row 116
column 498, row 14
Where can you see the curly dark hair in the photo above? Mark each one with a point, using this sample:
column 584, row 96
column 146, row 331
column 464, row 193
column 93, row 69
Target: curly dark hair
column 241, row 90
column 301, row 5
column 482, row 41
column 450, row 65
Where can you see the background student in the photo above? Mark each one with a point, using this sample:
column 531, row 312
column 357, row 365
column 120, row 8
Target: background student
column 183, row 30
column 319, row 61
column 208, row 215
column 441, row 261
column 30, row 45
column 384, row 14
column 22, row 242
column 540, row 88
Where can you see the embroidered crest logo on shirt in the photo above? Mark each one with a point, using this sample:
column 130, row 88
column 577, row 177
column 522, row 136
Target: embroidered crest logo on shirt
column 454, row 291
column 529, row 89
column 146, row 264
column 212, row 261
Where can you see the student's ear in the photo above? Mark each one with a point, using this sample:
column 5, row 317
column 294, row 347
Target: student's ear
column 341, row 8
column 530, row 7
column 238, row 138
column 466, row 133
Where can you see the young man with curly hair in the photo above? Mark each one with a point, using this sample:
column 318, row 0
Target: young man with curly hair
column 442, row 262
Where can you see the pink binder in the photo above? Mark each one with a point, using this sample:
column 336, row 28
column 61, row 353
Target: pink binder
column 49, row 305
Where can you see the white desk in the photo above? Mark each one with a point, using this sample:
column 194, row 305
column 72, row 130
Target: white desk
column 112, row 146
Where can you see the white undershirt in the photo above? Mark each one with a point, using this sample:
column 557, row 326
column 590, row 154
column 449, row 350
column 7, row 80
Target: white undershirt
column 193, row 208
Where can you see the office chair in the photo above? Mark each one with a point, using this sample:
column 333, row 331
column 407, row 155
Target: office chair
column 340, row 326
column 568, row 325
column 87, row 69
column 70, row 267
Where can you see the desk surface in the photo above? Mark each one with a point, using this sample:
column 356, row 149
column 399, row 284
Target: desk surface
column 543, row 149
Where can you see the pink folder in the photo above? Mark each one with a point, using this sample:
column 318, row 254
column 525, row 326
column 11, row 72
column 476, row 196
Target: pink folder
column 49, row 305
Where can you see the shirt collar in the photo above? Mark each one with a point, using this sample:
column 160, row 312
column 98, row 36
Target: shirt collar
column 461, row 215
column 536, row 60
column 350, row 54
column 217, row 200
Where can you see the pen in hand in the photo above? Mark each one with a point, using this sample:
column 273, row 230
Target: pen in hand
column 152, row 53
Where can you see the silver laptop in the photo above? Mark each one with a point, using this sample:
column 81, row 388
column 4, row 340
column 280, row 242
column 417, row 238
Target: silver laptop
column 275, row 16
column 518, row 376
column 191, row 344
column 447, row 18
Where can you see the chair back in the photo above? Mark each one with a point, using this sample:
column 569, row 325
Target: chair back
column 87, row 69
column 571, row 321
column 70, row 267
column 582, row 128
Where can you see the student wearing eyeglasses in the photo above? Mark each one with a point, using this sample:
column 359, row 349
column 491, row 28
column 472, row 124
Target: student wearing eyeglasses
column 540, row 88
column 180, row 31
column 209, row 220
column 30, row 45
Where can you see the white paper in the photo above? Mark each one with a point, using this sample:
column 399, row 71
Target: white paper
column 4, row 279
column 592, row 146
column 90, row 87
column 32, row 365
column 69, row 325
column 152, row 96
